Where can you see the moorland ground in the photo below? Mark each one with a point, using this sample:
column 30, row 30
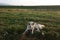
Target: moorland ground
column 13, row 22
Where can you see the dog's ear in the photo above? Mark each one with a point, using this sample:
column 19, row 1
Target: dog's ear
column 28, row 23
column 32, row 23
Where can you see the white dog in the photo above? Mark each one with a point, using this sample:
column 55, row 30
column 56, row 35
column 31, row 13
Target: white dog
column 33, row 25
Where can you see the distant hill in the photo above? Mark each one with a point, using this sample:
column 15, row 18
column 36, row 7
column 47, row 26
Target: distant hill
column 51, row 7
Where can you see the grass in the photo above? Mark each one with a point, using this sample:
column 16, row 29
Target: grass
column 13, row 23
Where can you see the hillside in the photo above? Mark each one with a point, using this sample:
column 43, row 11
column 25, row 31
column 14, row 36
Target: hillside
column 13, row 23
column 34, row 7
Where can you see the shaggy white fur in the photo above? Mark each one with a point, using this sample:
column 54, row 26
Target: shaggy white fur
column 33, row 25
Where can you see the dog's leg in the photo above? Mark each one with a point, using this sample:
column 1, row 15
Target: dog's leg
column 32, row 30
column 37, row 29
column 26, row 30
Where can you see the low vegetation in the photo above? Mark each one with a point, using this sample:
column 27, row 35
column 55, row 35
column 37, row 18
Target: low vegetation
column 13, row 23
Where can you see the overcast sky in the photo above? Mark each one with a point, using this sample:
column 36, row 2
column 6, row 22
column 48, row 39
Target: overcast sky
column 31, row 2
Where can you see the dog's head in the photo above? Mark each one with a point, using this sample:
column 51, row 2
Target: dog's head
column 31, row 23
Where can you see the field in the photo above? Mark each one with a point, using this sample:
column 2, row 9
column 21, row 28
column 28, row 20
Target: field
column 13, row 22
